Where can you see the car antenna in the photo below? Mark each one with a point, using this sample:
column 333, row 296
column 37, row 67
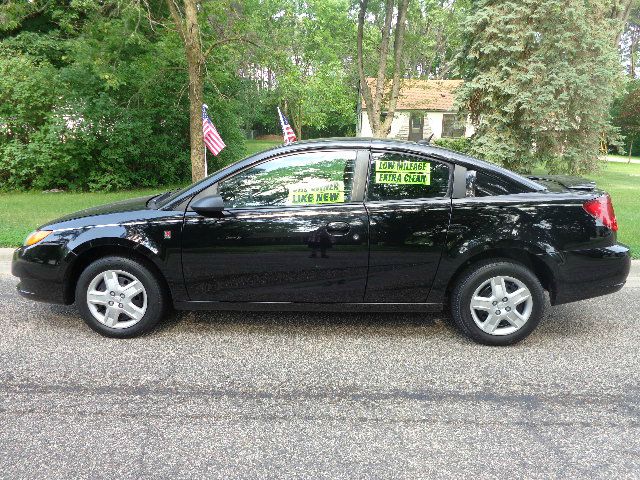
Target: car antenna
column 426, row 141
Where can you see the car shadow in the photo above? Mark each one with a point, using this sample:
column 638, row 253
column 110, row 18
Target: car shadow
column 301, row 323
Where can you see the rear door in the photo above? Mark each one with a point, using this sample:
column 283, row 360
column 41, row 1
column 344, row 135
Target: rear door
column 296, row 230
column 409, row 205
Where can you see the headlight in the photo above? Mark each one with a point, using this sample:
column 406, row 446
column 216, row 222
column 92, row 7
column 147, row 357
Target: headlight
column 36, row 237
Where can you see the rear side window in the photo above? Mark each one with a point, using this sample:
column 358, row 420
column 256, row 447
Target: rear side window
column 399, row 176
column 488, row 185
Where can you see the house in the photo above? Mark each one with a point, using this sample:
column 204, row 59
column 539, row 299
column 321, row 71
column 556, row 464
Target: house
column 424, row 107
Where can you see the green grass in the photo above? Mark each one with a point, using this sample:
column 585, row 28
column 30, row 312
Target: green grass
column 622, row 181
column 255, row 146
column 20, row 213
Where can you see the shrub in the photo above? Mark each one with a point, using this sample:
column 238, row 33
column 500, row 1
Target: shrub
column 462, row 145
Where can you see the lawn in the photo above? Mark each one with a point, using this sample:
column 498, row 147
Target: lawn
column 20, row 213
column 255, row 146
column 622, row 181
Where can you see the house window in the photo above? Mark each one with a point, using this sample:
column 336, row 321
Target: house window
column 452, row 126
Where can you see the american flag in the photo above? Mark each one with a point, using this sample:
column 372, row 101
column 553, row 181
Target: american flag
column 287, row 131
column 212, row 138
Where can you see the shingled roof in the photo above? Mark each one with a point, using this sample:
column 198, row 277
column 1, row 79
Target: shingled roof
column 422, row 94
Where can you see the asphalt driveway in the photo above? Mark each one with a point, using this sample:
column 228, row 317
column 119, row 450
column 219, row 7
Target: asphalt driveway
column 227, row 395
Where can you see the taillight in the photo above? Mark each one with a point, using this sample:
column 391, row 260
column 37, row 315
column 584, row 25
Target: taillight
column 601, row 209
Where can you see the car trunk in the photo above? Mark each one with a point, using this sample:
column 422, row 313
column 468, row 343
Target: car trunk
column 559, row 183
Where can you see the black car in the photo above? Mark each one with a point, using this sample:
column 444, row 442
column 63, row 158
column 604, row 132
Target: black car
column 339, row 225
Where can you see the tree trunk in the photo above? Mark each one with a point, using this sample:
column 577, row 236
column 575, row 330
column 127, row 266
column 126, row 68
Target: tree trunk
column 374, row 102
column 630, row 150
column 398, row 45
column 365, row 91
column 296, row 119
column 190, row 32
column 620, row 12
column 632, row 57
column 382, row 67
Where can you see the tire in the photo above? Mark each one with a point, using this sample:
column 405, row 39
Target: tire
column 138, row 300
column 503, row 322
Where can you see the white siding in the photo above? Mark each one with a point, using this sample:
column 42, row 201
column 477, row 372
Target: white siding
column 434, row 120
column 365, row 128
column 400, row 121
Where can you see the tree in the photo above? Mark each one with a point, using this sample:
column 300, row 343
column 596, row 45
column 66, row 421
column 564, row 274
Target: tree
column 307, row 70
column 95, row 97
column 619, row 13
column 629, row 117
column 186, row 22
column 630, row 40
column 434, row 37
column 540, row 78
column 376, row 100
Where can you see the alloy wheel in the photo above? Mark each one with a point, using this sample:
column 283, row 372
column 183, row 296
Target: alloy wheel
column 501, row 305
column 117, row 299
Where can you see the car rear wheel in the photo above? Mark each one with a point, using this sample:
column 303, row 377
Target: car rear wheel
column 497, row 302
column 120, row 297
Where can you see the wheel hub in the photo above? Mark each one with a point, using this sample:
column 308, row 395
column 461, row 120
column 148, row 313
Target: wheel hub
column 501, row 305
column 117, row 299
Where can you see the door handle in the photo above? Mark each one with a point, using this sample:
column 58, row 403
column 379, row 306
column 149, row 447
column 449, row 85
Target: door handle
column 338, row 227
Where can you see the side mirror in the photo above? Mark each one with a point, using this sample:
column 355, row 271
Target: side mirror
column 210, row 205
column 470, row 183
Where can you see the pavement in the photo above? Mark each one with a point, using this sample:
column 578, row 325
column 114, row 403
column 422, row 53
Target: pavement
column 611, row 158
column 315, row 395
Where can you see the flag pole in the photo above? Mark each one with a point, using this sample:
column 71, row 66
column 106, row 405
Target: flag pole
column 205, row 106
column 284, row 137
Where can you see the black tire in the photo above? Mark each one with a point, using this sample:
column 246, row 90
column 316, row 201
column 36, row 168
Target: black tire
column 477, row 275
column 156, row 298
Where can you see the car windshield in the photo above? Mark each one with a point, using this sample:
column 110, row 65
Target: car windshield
column 161, row 202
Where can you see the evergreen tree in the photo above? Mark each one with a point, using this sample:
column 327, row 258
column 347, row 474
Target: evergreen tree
column 540, row 78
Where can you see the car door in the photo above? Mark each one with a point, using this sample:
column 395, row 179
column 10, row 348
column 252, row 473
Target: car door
column 409, row 207
column 295, row 230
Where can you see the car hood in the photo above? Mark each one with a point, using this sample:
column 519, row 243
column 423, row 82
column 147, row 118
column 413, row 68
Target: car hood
column 129, row 205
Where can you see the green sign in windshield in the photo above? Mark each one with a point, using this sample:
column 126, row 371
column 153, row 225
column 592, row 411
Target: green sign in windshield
column 311, row 193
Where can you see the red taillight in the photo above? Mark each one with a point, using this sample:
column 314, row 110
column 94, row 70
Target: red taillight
column 601, row 209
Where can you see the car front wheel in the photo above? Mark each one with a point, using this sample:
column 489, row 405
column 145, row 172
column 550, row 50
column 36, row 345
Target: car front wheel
column 497, row 302
column 120, row 297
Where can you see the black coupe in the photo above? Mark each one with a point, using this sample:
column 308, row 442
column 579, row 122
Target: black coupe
column 340, row 225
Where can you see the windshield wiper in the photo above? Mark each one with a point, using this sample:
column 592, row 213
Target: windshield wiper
column 154, row 201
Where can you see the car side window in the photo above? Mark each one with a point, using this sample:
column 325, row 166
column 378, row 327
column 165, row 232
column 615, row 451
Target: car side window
column 490, row 185
column 399, row 176
column 308, row 178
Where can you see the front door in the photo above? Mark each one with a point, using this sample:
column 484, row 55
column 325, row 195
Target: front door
column 409, row 209
column 296, row 231
column 416, row 126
